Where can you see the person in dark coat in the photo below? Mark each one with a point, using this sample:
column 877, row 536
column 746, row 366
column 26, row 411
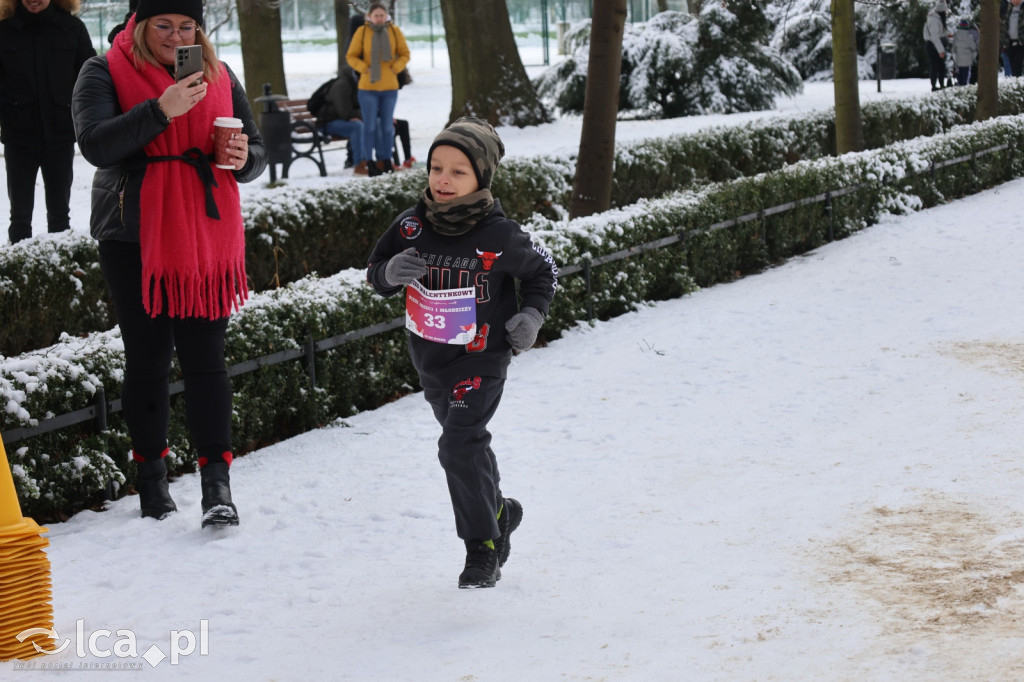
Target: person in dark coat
column 340, row 117
column 476, row 288
column 171, row 237
column 132, row 5
column 42, row 48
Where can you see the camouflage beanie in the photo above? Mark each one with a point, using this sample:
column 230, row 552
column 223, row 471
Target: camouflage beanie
column 478, row 141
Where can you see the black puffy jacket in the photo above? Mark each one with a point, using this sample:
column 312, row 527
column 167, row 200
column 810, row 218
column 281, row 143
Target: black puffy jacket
column 114, row 142
column 40, row 57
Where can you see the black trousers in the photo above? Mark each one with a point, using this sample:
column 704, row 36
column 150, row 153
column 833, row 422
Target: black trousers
column 23, row 165
column 937, row 67
column 1016, row 53
column 149, row 343
column 402, row 133
column 464, row 409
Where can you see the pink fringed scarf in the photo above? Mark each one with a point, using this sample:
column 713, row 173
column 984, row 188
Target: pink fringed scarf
column 194, row 261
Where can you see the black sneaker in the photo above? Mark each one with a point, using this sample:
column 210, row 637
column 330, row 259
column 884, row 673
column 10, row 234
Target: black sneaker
column 509, row 518
column 481, row 566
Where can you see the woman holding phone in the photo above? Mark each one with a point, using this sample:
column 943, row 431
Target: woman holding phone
column 170, row 234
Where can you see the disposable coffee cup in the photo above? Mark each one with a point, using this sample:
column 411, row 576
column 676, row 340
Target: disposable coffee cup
column 224, row 128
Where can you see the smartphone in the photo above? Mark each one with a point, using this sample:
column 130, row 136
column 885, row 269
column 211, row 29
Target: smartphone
column 189, row 61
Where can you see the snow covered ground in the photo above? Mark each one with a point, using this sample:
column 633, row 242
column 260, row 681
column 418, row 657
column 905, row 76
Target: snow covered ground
column 810, row 474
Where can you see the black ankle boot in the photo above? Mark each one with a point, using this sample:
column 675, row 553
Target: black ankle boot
column 154, row 497
column 218, row 509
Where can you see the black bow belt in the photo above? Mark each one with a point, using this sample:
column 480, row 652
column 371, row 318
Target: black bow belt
column 195, row 157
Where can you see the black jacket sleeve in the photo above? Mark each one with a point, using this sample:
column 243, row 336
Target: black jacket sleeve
column 257, row 161
column 537, row 273
column 84, row 43
column 106, row 135
column 109, row 137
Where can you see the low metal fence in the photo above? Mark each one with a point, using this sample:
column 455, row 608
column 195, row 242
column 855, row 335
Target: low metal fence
column 100, row 407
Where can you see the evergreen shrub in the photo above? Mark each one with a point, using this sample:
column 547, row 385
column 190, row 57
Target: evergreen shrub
column 60, row 472
column 52, row 284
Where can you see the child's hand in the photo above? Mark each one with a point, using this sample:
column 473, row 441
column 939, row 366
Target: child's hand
column 522, row 328
column 405, row 268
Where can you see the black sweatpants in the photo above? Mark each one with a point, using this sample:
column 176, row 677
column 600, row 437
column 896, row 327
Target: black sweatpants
column 148, row 346
column 23, row 165
column 464, row 449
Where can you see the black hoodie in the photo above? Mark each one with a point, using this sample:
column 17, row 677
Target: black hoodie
column 492, row 257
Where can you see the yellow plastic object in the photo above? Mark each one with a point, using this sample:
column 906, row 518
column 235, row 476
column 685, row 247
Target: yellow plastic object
column 24, row 576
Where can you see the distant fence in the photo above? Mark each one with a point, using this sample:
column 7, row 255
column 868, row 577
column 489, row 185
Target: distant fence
column 314, row 20
column 100, row 408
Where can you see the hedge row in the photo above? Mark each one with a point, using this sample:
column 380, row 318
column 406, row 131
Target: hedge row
column 47, row 287
column 61, row 472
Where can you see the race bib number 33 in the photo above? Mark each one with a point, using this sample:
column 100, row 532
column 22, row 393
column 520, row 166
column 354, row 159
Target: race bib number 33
column 447, row 316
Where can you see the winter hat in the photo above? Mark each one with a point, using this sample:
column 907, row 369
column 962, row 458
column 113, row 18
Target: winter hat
column 151, row 8
column 376, row 5
column 940, row 6
column 963, row 23
column 478, row 141
column 132, row 6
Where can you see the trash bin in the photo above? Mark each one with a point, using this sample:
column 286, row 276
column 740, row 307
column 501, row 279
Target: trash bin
column 887, row 61
column 275, row 126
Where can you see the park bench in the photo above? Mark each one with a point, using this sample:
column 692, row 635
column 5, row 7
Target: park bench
column 307, row 142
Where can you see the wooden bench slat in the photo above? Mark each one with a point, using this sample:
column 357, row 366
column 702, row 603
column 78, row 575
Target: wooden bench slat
column 298, row 110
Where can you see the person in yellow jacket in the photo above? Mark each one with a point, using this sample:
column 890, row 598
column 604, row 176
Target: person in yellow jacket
column 378, row 52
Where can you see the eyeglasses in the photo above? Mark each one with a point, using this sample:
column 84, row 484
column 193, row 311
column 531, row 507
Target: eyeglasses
column 166, row 30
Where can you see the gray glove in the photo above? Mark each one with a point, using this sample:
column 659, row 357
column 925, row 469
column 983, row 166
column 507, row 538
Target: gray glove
column 404, row 268
column 522, row 328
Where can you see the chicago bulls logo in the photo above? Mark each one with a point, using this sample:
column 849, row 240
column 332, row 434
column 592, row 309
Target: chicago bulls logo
column 489, row 258
column 460, row 389
column 410, row 227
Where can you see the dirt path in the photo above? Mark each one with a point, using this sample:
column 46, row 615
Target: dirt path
column 943, row 575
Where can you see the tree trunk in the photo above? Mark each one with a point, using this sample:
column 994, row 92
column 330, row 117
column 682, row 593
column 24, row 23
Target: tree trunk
column 259, row 24
column 341, row 16
column 988, row 62
column 849, row 130
column 488, row 78
column 662, row 5
column 592, row 188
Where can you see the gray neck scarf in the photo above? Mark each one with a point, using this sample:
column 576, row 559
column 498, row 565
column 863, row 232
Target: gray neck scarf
column 380, row 50
column 458, row 216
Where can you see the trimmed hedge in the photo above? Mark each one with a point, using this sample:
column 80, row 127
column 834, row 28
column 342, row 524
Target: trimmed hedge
column 64, row 471
column 293, row 232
